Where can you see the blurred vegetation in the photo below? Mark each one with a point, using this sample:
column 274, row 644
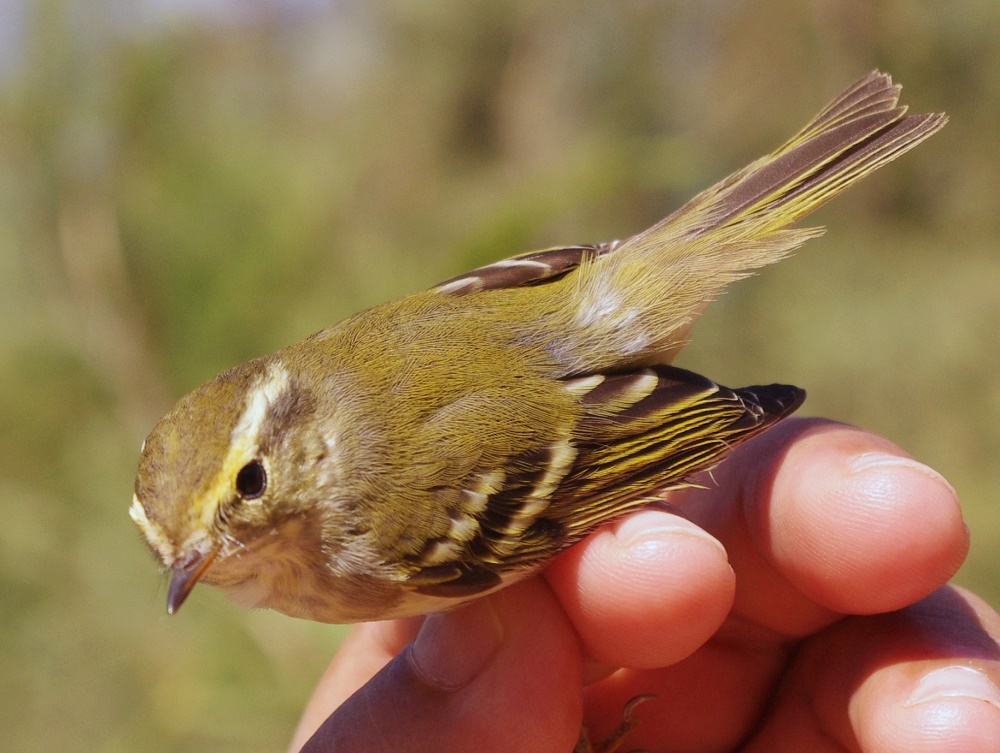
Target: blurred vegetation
column 179, row 196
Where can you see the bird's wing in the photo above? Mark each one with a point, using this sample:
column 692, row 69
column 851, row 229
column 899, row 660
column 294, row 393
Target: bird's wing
column 640, row 432
column 524, row 269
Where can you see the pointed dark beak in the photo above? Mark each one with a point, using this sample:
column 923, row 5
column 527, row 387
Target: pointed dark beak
column 186, row 572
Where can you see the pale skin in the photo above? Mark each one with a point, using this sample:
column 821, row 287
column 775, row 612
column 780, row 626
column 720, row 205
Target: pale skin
column 730, row 606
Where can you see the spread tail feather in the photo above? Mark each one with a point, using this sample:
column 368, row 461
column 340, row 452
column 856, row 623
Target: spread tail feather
column 639, row 299
column 860, row 131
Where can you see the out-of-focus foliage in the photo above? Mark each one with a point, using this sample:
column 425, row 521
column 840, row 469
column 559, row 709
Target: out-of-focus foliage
column 176, row 197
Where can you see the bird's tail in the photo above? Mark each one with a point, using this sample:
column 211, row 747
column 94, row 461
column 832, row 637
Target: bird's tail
column 657, row 282
column 857, row 133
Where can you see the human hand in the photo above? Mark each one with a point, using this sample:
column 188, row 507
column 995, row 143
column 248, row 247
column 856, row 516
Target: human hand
column 748, row 648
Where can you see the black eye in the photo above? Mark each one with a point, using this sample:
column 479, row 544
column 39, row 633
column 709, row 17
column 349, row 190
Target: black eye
column 251, row 480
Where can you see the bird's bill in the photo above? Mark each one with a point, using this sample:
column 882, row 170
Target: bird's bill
column 186, row 572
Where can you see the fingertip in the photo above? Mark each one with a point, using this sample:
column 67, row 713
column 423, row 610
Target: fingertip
column 857, row 525
column 923, row 678
column 953, row 708
column 646, row 591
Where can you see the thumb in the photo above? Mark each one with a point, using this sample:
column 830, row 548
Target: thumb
column 502, row 673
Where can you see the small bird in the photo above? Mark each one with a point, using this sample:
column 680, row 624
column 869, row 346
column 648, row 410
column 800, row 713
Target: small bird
column 438, row 447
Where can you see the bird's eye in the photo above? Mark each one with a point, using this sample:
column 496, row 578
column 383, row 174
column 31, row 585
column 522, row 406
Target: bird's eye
column 251, row 481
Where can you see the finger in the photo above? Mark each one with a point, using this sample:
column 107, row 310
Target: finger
column 502, row 673
column 646, row 591
column 822, row 519
column 923, row 678
column 788, row 508
column 367, row 648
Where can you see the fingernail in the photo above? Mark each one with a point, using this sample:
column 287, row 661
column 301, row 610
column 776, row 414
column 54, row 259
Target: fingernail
column 955, row 682
column 651, row 526
column 879, row 460
column 453, row 648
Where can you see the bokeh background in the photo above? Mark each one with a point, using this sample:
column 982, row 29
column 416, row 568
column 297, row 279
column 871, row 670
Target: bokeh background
column 186, row 185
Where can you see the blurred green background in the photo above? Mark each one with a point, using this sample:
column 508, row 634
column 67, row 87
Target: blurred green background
column 185, row 186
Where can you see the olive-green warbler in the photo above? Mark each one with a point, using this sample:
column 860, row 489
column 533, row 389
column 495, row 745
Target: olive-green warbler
column 434, row 448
